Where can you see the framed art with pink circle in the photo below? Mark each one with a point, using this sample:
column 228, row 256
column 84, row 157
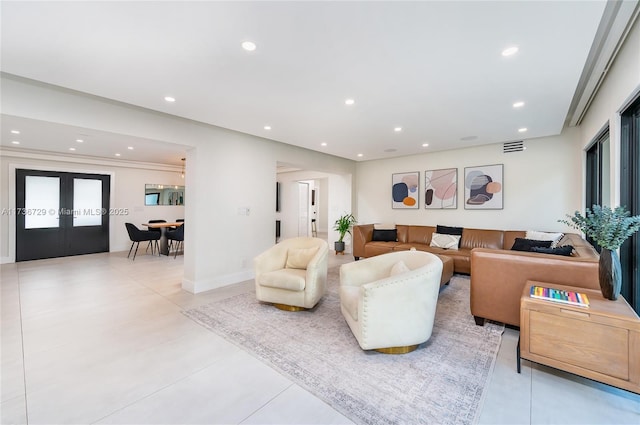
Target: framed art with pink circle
column 483, row 187
column 441, row 189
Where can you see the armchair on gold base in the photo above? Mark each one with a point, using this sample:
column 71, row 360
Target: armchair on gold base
column 389, row 301
column 292, row 275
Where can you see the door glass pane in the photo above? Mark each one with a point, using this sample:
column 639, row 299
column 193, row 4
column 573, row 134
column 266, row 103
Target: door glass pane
column 87, row 202
column 41, row 202
column 605, row 197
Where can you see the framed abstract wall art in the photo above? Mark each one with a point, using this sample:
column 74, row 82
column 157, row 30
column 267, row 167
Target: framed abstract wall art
column 441, row 189
column 483, row 187
column 404, row 190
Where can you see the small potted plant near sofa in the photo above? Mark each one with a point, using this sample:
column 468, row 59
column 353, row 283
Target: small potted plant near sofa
column 609, row 229
column 343, row 226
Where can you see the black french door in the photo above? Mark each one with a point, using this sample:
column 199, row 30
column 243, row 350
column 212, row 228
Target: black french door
column 59, row 214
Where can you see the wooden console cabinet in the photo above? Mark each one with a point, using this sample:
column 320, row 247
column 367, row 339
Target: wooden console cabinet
column 601, row 342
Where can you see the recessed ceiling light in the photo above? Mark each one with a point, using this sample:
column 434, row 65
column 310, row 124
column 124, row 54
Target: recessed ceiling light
column 15, row 142
column 510, row 51
column 522, row 130
column 323, row 144
column 349, row 102
column 518, row 104
column 267, row 127
column 72, row 149
column 170, row 99
column 15, row 131
column 424, row 145
column 130, row 148
column 249, row 46
column 360, row 155
column 397, row 129
column 79, row 140
column 117, row 154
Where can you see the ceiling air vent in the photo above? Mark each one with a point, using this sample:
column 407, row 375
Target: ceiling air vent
column 509, row 147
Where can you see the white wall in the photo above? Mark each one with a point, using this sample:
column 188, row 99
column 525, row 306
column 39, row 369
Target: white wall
column 541, row 185
column 227, row 172
column 622, row 81
column 127, row 191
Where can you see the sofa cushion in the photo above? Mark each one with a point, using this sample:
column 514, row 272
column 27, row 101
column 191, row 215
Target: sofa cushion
column 522, row 244
column 565, row 250
column 372, row 249
column 290, row 279
column 385, row 235
column 478, row 238
column 298, row 258
column 445, row 241
column 419, row 234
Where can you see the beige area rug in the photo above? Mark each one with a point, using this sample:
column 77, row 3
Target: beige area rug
column 442, row 382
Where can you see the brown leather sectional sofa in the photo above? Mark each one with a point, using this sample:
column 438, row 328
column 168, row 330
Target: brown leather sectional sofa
column 498, row 274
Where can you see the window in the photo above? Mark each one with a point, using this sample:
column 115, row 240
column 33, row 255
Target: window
column 630, row 198
column 598, row 171
column 598, row 175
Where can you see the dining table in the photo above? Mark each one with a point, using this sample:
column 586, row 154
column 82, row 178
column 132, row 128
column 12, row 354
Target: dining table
column 164, row 244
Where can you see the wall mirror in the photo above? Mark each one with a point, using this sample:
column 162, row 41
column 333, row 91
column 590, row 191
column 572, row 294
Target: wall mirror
column 163, row 194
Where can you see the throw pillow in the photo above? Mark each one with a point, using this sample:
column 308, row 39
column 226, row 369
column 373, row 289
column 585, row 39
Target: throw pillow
column 399, row 268
column 445, row 241
column 545, row 236
column 522, row 244
column 447, row 230
column 565, row 250
column 385, row 235
column 298, row 258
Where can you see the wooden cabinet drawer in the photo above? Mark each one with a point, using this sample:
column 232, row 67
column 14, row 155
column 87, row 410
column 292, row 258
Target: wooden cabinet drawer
column 594, row 346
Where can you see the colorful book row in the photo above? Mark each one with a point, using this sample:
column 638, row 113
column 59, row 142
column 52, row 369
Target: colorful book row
column 557, row 295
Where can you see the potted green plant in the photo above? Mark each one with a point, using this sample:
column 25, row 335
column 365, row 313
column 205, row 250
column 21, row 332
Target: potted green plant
column 343, row 226
column 609, row 229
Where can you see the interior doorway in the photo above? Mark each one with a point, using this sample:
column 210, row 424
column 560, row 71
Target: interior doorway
column 303, row 209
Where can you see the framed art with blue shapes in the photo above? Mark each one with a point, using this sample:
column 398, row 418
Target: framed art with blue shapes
column 483, row 187
column 405, row 190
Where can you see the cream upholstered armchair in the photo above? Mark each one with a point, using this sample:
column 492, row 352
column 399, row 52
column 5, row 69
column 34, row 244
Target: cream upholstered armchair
column 389, row 301
column 293, row 273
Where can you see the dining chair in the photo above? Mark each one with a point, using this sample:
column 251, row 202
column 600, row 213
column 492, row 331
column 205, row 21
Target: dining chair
column 136, row 235
column 151, row 229
column 177, row 236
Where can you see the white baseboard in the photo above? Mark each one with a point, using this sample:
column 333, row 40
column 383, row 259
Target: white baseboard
column 196, row 287
column 7, row 260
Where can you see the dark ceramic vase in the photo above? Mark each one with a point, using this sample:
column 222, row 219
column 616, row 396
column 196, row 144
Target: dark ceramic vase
column 610, row 274
column 339, row 246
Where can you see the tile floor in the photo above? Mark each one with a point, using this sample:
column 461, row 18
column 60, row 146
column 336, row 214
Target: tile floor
column 100, row 339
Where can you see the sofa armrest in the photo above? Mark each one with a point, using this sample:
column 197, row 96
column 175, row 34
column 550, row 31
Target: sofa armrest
column 362, row 234
column 498, row 278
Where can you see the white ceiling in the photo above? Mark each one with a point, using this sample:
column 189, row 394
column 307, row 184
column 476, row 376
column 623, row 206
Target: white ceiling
column 433, row 68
